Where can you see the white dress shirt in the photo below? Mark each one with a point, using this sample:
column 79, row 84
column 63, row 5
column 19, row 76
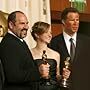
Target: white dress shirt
column 67, row 38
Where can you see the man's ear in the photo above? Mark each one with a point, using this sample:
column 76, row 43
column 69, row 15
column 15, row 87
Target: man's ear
column 11, row 25
column 63, row 22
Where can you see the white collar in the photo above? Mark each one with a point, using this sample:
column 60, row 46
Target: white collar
column 15, row 35
column 66, row 36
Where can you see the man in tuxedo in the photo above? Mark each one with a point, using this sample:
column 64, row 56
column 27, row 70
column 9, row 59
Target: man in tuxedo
column 21, row 73
column 80, row 73
column 1, row 76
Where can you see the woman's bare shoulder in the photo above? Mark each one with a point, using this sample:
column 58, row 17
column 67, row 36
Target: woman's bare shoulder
column 54, row 53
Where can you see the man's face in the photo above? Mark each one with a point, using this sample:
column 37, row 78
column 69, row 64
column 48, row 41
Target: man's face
column 20, row 27
column 71, row 23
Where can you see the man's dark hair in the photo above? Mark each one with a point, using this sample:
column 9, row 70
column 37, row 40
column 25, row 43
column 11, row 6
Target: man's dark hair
column 12, row 16
column 66, row 11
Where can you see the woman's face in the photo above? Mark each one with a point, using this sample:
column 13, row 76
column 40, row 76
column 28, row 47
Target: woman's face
column 46, row 36
column 1, row 31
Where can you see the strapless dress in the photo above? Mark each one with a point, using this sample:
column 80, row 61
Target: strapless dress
column 52, row 80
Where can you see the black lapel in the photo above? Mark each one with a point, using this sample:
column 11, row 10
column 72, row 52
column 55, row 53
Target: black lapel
column 63, row 47
column 79, row 46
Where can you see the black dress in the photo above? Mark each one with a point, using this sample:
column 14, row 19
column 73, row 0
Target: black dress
column 53, row 82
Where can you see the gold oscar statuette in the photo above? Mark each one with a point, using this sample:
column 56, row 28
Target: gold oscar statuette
column 45, row 80
column 65, row 82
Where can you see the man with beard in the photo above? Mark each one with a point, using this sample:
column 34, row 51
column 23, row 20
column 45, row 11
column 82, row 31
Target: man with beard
column 20, row 71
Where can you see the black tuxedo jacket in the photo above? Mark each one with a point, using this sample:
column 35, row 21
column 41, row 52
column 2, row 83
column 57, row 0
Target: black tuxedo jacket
column 80, row 66
column 20, row 71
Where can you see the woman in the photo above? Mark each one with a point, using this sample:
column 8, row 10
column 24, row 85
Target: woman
column 42, row 34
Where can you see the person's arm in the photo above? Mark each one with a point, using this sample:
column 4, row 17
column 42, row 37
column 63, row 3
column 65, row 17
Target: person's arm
column 58, row 76
column 66, row 72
